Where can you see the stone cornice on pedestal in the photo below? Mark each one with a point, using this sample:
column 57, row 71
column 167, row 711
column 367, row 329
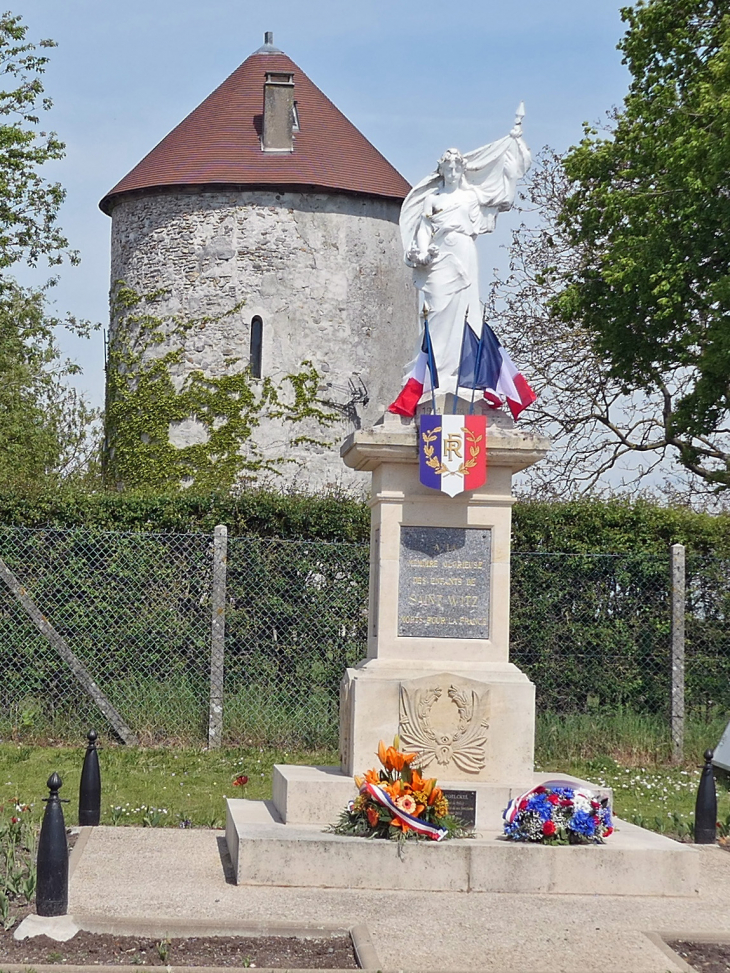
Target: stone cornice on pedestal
column 395, row 440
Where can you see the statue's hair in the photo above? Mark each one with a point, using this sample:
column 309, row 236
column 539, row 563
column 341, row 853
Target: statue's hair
column 451, row 154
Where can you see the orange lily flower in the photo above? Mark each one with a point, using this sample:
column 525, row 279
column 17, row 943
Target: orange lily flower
column 381, row 752
column 370, row 777
column 395, row 789
column 418, row 783
column 393, row 759
column 397, row 823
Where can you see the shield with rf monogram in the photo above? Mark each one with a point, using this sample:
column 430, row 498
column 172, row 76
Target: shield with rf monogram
column 453, row 452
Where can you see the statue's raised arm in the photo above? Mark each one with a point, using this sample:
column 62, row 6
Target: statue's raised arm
column 440, row 220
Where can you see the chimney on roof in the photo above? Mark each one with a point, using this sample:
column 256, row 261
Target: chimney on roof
column 278, row 112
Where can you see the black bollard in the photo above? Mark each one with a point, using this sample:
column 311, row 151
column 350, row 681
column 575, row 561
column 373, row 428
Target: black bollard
column 706, row 805
column 90, row 787
column 51, row 898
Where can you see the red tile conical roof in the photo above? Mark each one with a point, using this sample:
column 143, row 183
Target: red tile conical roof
column 219, row 144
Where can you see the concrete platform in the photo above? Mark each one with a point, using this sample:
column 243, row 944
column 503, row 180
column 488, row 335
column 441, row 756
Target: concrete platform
column 265, row 851
column 317, row 795
column 176, row 876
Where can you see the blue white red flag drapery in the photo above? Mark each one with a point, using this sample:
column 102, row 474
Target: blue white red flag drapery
column 424, row 367
column 486, row 365
column 452, row 452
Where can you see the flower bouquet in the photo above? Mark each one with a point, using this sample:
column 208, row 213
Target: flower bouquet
column 557, row 813
column 397, row 803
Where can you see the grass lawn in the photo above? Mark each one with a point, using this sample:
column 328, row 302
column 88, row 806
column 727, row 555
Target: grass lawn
column 139, row 786
column 661, row 798
column 172, row 787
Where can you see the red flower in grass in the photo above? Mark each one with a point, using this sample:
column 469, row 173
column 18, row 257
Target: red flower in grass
column 548, row 828
column 240, row 781
column 14, row 820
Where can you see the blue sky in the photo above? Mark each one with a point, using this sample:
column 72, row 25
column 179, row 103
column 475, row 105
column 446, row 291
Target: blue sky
column 414, row 77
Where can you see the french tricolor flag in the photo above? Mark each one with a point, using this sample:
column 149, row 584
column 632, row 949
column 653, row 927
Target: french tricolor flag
column 407, row 402
column 486, row 365
column 453, row 452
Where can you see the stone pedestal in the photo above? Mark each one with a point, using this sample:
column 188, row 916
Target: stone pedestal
column 438, row 673
column 438, row 669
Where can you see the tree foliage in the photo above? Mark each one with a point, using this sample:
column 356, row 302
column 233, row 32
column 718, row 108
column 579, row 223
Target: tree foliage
column 648, row 216
column 47, row 429
column 29, row 204
column 596, row 426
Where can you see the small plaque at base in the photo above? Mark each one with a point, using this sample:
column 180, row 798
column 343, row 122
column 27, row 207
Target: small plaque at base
column 463, row 805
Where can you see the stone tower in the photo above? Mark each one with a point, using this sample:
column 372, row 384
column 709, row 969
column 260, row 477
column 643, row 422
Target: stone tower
column 267, row 195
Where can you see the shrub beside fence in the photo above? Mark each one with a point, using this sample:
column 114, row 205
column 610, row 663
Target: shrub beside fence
column 593, row 631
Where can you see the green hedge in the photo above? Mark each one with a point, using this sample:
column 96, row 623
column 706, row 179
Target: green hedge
column 574, row 527
column 617, row 527
column 257, row 512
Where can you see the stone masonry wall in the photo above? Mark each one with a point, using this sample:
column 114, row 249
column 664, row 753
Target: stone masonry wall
column 326, row 275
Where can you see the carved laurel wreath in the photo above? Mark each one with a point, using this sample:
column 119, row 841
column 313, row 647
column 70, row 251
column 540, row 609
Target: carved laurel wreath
column 429, row 437
column 465, row 745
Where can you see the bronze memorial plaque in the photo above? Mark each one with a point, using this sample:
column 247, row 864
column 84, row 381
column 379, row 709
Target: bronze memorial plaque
column 443, row 590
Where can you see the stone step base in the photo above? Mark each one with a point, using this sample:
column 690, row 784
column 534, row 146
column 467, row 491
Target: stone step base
column 318, row 795
column 264, row 851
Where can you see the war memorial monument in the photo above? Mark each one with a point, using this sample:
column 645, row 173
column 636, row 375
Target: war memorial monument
column 437, row 672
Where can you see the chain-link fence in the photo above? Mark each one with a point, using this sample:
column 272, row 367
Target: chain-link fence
column 134, row 612
column 171, row 637
column 296, row 618
column 593, row 630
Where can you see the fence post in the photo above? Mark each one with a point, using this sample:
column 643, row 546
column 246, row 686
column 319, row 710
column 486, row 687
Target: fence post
column 218, row 635
column 678, row 611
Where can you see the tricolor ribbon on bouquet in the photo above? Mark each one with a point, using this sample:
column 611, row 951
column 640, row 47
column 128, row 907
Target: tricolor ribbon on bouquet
column 516, row 804
column 419, row 826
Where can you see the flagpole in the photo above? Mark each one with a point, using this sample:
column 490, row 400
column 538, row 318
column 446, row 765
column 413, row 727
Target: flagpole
column 476, row 370
column 461, row 359
column 430, row 365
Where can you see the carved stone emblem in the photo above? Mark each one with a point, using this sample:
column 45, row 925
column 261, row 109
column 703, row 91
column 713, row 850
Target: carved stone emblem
column 448, row 725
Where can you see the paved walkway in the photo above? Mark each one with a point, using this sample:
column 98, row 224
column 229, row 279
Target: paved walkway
column 175, row 874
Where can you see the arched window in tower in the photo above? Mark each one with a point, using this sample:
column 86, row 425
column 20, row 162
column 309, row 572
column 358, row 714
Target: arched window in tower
column 257, row 344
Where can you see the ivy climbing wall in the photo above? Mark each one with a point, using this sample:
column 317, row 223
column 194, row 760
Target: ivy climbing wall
column 325, row 274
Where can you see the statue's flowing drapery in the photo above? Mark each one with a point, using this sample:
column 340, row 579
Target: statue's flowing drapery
column 448, row 286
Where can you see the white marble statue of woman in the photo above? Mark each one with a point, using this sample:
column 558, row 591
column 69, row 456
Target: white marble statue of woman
column 440, row 221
